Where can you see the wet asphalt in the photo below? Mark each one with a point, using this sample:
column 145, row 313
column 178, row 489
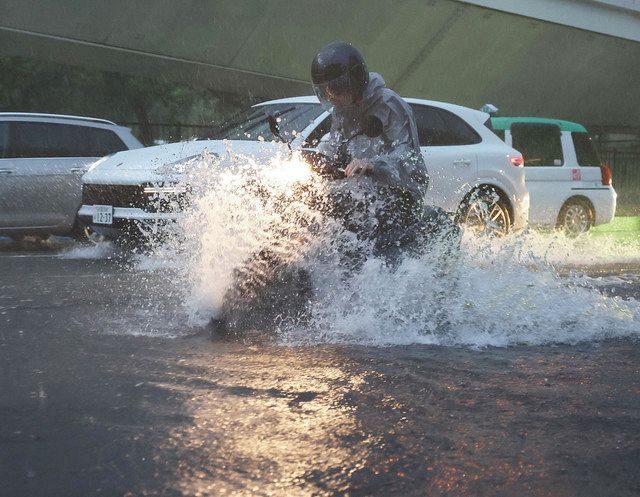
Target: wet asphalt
column 87, row 408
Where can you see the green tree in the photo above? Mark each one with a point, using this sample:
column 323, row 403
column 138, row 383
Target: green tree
column 156, row 108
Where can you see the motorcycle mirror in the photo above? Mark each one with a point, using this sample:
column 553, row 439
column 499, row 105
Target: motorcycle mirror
column 372, row 126
column 275, row 129
column 273, row 126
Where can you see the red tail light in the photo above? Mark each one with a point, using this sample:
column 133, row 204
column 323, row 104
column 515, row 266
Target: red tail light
column 517, row 161
column 605, row 172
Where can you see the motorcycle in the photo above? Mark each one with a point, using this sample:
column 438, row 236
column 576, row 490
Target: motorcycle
column 270, row 289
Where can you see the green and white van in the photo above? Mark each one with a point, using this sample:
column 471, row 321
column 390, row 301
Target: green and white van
column 568, row 186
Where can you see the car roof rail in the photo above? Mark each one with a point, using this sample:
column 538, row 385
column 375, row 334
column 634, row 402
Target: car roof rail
column 57, row 116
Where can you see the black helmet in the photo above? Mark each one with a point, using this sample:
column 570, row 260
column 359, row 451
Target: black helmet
column 338, row 69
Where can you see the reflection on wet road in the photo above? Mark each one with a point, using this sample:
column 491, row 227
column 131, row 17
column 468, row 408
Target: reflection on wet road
column 274, row 423
column 416, row 420
column 89, row 408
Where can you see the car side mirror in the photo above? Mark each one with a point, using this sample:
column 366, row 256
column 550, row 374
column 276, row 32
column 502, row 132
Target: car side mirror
column 372, row 127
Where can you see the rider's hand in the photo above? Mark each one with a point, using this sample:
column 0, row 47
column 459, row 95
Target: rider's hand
column 358, row 166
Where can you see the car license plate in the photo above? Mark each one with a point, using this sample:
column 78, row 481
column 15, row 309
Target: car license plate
column 103, row 214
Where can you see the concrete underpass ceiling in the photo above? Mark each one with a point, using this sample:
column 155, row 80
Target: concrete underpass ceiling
column 439, row 49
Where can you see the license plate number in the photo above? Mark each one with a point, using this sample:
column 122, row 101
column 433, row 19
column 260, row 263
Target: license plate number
column 103, row 214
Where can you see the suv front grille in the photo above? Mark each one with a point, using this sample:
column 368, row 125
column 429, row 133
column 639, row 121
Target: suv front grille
column 132, row 196
column 115, row 195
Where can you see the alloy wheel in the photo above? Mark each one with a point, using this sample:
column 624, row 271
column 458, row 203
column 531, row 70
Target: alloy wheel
column 487, row 215
column 576, row 219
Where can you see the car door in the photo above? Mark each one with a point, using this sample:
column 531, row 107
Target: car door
column 547, row 180
column 8, row 180
column 17, row 183
column 44, row 163
column 447, row 144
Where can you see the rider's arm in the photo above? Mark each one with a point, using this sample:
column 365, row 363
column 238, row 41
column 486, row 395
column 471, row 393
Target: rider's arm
column 329, row 148
column 401, row 163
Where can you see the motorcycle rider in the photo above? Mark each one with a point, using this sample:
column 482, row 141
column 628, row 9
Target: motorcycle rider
column 390, row 155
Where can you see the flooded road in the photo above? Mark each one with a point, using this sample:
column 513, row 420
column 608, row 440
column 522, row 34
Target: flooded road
column 104, row 392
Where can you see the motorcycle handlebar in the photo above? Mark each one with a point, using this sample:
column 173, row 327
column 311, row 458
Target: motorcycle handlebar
column 325, row 167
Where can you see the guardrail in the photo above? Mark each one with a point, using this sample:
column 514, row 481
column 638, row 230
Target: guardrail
column 625, row 169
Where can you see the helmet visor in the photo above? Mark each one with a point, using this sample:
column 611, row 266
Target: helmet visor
column 328, row 91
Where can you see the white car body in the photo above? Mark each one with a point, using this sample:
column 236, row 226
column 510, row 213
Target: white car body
column 455, row 170
column 568, row 179
column 42, row 160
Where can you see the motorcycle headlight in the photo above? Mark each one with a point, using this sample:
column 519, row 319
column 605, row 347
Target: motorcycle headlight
column 289, row 171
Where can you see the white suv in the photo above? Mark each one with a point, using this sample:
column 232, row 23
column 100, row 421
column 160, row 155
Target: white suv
column 473, row 174
column 42, row 160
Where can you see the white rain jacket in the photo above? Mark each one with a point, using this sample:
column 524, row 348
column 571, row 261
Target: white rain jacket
column 396, row 157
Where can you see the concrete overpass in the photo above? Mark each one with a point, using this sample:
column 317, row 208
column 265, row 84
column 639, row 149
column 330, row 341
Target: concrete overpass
column 573, row 59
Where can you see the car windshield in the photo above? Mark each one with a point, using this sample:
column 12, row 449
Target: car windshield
column 253, row 124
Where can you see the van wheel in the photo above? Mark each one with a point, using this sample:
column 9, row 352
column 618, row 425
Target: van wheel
column 576, row 217
column 485, row 212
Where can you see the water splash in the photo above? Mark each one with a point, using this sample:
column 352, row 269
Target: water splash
column 497, row 291
column 491, row 299
column 101, row 250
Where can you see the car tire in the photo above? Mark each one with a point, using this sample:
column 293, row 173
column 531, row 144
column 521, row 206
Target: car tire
column 576, row 217
column 80, row 232
column 486, row 212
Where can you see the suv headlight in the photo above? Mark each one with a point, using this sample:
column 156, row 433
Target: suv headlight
column 95, row 164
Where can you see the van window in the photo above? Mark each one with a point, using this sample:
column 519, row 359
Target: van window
column 439, row 127
column 539, row 144
column 585, row 151
column 33, row 139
